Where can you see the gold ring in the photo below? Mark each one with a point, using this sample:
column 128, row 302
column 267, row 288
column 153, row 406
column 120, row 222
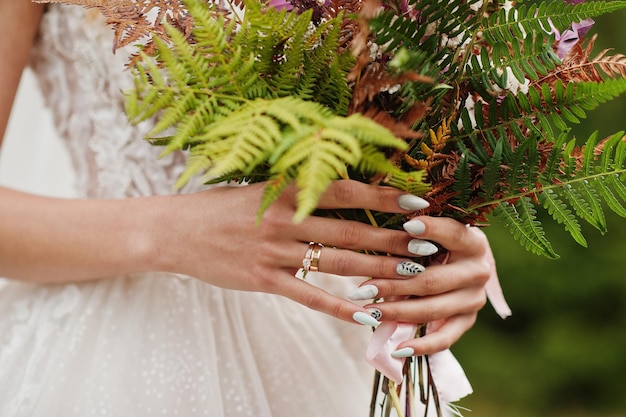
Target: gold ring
column 315, row 257
column 310, row 262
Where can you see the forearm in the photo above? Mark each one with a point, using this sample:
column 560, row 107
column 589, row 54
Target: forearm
column 58, row 240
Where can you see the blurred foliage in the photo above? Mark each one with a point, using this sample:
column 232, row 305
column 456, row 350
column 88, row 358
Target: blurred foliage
column 563, row 352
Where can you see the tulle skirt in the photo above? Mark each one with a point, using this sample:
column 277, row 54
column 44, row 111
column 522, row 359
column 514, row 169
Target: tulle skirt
column 162, row 345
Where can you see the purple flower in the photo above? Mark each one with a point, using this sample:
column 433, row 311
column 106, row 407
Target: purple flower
column 570, row 37
column 281, row 4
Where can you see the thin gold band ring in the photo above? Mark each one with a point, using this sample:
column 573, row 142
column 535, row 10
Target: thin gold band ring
column 310, row 262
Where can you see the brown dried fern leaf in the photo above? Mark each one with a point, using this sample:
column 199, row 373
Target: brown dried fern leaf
column 137, row 21
column 613, row 66
column 579, row 67
column 349, row 26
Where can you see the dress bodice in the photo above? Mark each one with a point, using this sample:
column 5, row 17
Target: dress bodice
column 83, row 81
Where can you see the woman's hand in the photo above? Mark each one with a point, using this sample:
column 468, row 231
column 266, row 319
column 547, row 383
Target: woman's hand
column 213, row 235
column 446, row 295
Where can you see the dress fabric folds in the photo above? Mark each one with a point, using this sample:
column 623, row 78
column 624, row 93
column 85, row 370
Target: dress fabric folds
column 156, row 344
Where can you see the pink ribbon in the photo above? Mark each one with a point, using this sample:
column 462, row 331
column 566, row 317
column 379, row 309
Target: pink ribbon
column 448, row 375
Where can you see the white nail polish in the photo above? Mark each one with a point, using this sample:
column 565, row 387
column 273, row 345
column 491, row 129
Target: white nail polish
column 414, row 227
column 365, row 319
column 412, row 202
column 422, row 247
column 408, row 269
column 403, row 353
column 365, row 292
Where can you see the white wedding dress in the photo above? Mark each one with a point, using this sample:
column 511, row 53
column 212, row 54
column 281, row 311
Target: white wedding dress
column 156, row 344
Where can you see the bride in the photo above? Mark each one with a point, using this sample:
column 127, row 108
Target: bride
column 132, row 301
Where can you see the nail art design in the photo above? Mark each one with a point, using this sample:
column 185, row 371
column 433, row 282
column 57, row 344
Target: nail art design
column 421, row 247
column 412, row 202
column 375, row 313
column 403, row 353
column 365, row 292
column 365, row 319
column 408, row 268
column 414, row 227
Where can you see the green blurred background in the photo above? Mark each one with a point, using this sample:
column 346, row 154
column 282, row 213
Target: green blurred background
column 563, row 352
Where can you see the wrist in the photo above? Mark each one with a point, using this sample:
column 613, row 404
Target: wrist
column 143, row 243
column 155, row 243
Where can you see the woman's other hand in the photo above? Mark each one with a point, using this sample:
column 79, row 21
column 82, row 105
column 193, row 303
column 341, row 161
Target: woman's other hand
column 447, row 295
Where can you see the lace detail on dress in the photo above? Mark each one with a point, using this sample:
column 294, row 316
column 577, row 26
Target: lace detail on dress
column 82, row 82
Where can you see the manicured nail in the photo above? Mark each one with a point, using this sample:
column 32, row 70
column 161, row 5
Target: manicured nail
column 408, row 268
column 364, row 293
column 365, row 319
column 414, row 227
column 412, row 202
column 403, row 353
column 422, row 247
column 375, row 313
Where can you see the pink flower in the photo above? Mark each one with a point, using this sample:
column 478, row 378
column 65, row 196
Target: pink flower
column 281, row 4
column 570, row 37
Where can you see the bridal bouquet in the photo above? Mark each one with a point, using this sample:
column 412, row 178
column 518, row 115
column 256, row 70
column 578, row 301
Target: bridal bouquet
column 465, row 102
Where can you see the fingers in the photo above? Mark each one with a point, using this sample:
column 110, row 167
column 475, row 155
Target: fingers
column 317, row 299
column 436, row 341
column 432, row 308
column 354, row 235
column 354, row 194
column 449, row 233
column 341, row 262
column 436, row 279
column 349, row 263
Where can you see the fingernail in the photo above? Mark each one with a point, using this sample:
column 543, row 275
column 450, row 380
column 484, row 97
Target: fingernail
column 414, row 227
column 408, row 268
column 375, row 313
column 403, row 353
column 421, row 247
column 412, row 202
column 365, row 319
column 364, row 293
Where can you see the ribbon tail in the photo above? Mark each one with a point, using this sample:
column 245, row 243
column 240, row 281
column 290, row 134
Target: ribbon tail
column 384, row 341
column 494, row 290
column 448, row 376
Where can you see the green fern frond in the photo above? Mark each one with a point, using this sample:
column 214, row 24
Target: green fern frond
column 492, row 175
column 323, row 152
column 456, row 19
column 521, row 174
column 521, row 220
column 462, row 184
column 273, row 189
column 554, row 160
column 525, row 19
column 570, row 185
column 540, row 110
column 563, row 215
column 493, row 67
column 586, row 203
column 609, row 197
column 301, row 141
column 374, row 162
column 413, row 182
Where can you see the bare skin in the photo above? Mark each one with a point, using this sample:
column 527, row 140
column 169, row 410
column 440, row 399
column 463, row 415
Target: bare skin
column 51, row 240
